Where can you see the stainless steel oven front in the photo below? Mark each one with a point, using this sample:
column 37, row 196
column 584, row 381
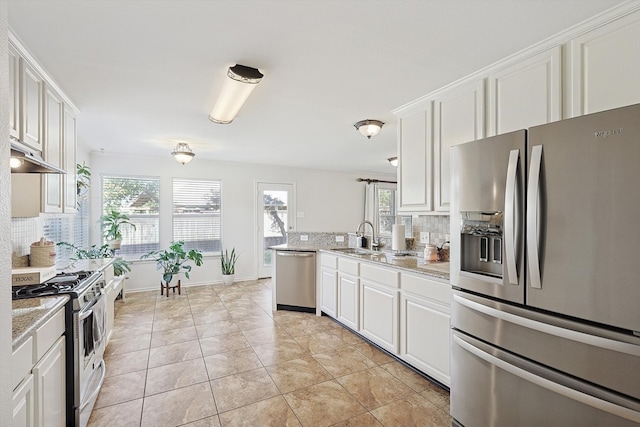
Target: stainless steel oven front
column 89, row 325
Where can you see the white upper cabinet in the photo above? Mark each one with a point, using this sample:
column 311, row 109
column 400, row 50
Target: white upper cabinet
column 458, row 117
column 69, row 160
column 526, row 93
column 44, row 119
column 605, row 65
column 14, row 93
column 414, row 154
column 52, row 151
column 31, row 96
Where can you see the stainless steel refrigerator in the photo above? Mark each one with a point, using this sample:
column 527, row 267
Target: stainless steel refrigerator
column 545, row 265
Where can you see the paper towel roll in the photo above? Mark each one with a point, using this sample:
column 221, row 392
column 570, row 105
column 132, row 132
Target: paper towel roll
column 398, row 242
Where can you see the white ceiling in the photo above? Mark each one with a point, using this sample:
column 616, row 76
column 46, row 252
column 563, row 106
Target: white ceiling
column 145, row 74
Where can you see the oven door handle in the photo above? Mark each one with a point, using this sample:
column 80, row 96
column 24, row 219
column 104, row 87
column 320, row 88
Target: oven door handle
column 98, row 387
column 83, row 316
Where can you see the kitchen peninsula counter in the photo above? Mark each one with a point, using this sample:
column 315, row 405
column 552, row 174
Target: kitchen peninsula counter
column 30, row 313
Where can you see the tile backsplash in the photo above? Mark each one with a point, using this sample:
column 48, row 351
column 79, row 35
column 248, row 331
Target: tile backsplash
column 438, row 226
column 24, row 231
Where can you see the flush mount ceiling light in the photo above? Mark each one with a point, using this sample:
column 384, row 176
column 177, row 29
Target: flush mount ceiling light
column 237, row 88
column 182, row 153
column 393, row 161
column 369, row 128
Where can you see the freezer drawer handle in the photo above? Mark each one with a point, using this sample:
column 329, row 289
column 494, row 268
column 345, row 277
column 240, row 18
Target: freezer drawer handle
column 533, row 193
column 509, row 217
column 554, row 387
column 581, row 337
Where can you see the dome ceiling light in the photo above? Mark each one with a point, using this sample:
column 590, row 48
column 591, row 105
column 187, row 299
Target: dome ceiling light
column 183, row 153
column 369, row 127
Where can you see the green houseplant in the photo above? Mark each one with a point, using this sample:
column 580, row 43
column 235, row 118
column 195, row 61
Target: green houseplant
column 174, row 260
column 111, row 223
column 228, row 264
column 120, row 266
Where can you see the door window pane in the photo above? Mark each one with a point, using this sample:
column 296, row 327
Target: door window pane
column 275, row 218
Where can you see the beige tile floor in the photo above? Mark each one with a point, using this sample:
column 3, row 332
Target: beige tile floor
column 218, row 356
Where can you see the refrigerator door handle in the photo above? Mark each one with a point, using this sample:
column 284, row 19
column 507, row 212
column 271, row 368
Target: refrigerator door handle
column 578, row 396
column 510, row 205
column 533, row 193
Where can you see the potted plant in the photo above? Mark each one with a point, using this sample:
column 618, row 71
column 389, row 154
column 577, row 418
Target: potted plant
column 173, row 261
column 228, row 263
column 110, row 224
column 120, row 266
column 83, row 178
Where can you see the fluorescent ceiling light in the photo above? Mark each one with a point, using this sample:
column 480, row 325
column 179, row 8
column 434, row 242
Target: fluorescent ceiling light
column 237, row 88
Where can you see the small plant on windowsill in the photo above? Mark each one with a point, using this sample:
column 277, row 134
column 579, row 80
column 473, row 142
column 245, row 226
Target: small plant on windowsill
column 111, row 224
column 228, row 264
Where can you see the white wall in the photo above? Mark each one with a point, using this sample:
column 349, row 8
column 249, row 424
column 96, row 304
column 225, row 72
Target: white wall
column 5, row 228
column 330, row 201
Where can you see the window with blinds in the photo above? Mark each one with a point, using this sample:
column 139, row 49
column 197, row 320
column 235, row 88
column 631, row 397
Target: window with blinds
column 196, row 214
column 139, row 199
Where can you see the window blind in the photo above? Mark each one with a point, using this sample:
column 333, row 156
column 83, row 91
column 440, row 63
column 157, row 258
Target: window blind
column 196, row 213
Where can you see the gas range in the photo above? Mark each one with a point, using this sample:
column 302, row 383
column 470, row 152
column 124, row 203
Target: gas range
column 83, row 287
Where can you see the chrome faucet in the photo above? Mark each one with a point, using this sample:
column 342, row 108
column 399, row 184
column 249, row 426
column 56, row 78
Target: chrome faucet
column 374, row 242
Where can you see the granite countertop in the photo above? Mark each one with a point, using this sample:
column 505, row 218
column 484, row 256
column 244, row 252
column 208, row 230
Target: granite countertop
column 304, row 248
column 31, row 313
column 88, row 265
column 413, row 264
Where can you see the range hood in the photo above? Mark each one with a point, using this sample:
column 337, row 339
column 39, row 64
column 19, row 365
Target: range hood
column 27, row 161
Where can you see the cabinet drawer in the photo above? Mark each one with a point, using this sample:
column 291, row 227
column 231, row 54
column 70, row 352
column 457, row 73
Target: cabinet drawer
column 379, row 275
column 48, row 333
column 427, row 288
column 329, row 261
column 348, row 266
column 21, row 362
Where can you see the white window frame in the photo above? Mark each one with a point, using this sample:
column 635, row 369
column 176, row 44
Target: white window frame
column 217, row 247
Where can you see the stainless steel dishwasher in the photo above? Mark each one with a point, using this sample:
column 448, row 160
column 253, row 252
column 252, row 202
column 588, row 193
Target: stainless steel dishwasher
column 296, row 280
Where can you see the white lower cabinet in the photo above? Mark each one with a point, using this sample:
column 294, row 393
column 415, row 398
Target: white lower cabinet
column 379, row 314
column 49, row 376
column 348, row 300
column 407, row 314
column 348, row 293
column 425, row 326
column 23, row 404
column 328, row 285
column 379, row 303
column 39, row 395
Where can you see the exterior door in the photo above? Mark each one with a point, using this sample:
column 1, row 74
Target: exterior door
column 275, row 217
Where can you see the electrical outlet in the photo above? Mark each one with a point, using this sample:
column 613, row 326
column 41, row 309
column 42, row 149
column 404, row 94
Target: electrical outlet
column 300, row 215
column 304, row 237
column 424, row 237
column 339, row 239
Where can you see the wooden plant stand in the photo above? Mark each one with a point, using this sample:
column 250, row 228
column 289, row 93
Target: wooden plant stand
column 166, row 286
